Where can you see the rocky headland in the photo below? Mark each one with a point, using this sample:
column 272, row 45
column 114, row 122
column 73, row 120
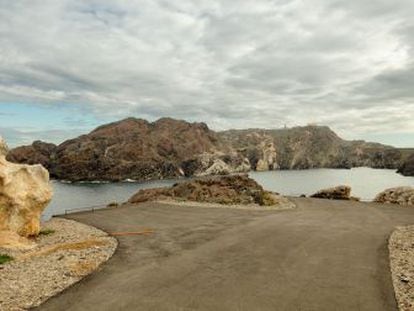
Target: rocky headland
column 407, row 166
column 167, row 148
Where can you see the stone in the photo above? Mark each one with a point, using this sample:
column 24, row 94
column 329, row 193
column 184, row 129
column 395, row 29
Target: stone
column 216, row 163
column 3, row 147
column 407, row 166
column 397, row 195
column 335, row 193
column 233, row 189
column 269, row 157
column 24, row 193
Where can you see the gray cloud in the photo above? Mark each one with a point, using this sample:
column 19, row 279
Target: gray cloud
column 344, row 63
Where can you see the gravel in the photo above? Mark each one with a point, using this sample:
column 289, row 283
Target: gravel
column 67, row 253
column 283, row 203
column 401, row 247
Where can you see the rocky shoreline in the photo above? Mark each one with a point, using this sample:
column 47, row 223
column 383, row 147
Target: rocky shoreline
column 139, row 150
column 64, row 253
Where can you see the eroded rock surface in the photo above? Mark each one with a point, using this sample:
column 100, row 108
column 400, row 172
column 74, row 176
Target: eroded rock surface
column 38, row 152
column 24, row 193
column 398, row 195
column 235, row 189
column 218, row 163
column 167, row 148
column 407, row 167
column 335, row 193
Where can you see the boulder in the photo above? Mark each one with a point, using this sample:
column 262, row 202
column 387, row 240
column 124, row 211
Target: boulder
column 233, row 189
column 335, row 193
column 407, row 167
column 24, row 193
column 398, row 195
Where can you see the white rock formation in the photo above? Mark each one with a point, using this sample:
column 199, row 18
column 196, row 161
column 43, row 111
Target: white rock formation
column 269, row 159
column 24, row 193
column 221, row 164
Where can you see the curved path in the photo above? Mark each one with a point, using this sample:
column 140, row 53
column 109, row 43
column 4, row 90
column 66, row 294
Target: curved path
column 324, row 255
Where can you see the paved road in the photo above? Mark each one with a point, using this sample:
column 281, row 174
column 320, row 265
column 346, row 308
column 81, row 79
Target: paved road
column 324, row 255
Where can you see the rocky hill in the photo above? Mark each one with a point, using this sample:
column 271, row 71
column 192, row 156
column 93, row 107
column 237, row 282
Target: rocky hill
column 139, row 150
column 307, row 147
column 135, row 149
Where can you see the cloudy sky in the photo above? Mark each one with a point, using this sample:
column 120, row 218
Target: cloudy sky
column 67, row 66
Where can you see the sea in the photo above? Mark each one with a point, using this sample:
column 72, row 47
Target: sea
column 365, row 183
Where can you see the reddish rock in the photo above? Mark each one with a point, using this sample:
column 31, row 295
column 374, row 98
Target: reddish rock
column 37, row 153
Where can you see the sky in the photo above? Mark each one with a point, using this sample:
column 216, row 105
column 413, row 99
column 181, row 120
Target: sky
column 67, row 66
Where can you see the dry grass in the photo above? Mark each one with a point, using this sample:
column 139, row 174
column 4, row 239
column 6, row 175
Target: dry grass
column 83, row 268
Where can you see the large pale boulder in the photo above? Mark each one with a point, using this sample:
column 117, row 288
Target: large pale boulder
column 24, row 193
column 397, row 195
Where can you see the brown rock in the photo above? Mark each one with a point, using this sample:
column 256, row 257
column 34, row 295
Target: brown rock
column 335, row 193
column 398, row 195
column 407, row 167
column 37, row 153
column 134, row 149
column 234, row 189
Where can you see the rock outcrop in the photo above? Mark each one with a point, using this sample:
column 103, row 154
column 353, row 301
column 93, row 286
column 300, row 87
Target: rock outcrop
column 218, row 163
column 38, row 152
column 234, row 189
column 335, row 193
column 398, row 195
column 24, row 193
column 139, row 150
column 308, row 147
column 407, row 167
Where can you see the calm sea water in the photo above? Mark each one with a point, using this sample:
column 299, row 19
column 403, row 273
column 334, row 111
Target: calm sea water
column 365, row 183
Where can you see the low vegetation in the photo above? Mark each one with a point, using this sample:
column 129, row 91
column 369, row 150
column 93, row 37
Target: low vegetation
column 46, row 231
column 5, row 258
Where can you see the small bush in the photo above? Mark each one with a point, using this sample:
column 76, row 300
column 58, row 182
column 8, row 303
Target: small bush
column 113, row 204
column 264, row 198
column 46, row 231
column 5, row 258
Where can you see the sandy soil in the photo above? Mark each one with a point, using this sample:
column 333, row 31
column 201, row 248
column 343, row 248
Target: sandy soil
column 65, row 253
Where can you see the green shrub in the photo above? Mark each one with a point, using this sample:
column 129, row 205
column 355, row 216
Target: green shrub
column 46, row 231
column 5, row 258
